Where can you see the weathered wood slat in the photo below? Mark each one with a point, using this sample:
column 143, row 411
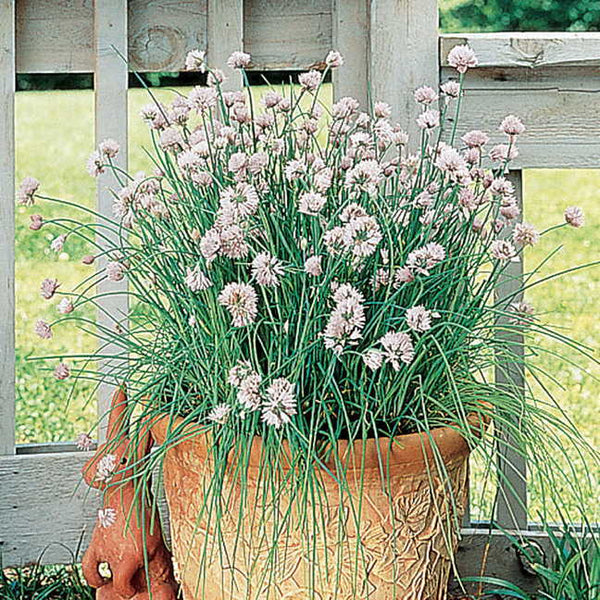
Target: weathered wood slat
column 404, row 55
column 225, row 35
column 351, row 38
column 511, row 508
column 557, row 105
column 44, row 503
column 110, row 85
column 162, row 33
column 7, row 222
column 287, row 34
column 532, row 50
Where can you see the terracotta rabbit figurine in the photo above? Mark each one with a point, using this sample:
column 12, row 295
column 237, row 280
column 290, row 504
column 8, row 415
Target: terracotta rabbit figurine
column 127, row 535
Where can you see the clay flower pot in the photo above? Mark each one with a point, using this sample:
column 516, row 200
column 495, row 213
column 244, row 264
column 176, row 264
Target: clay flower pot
column 366, row 543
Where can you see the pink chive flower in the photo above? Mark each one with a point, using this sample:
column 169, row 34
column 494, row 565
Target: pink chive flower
column 512, row 126
column 313, row 267
column 106, row 517
column 248, row 394
column 65, row 306
column 310, row 81
column 115, row 271
column 58, row 243
column 382, row 110
column 503, row 250
column 109, row 148
column 48, row 288
column 475, row 138
column 220, row 414
column 403, row 275
column 334, row 59
column 29, row 186
column 425, row 95
column 462, row 58
column 280, row 403
column 574, row 216
column 271, row 99
column 419, row 319
column 43, row 330
column 197, row 280
column 238, row 60
column 525, row 234
column 397, row 348
column 241, row 300
column 362, row 236
column 373, row 359
column 523, row 312
column 37, row 222
column 239, row 372
column 84, row 442
column 267, row 269
column 106, row 468
column 88, row 259
column 428, row 119
column 451, row 89
column 95, row 164
column 62, row 371
column 503, row 152
column 311, row 203
column 194, row 61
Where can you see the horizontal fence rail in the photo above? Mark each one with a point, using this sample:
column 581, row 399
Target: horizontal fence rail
column 552, row 80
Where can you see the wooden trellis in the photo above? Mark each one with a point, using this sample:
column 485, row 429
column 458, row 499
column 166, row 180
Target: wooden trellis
column 390, row 47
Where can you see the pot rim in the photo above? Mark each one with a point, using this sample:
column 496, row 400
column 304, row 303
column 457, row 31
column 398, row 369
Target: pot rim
column 412, row 451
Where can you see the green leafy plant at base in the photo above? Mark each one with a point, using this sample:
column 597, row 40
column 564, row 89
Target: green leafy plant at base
column 570, row 570
column 44, row 582
column 310, row 277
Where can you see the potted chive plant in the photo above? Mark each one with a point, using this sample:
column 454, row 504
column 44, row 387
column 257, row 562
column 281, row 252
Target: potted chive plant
column 313, row 323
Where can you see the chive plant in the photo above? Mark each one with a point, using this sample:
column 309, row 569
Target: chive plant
column 306, row 274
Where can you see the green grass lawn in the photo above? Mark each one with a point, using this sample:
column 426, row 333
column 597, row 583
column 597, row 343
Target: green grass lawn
column 54, row 139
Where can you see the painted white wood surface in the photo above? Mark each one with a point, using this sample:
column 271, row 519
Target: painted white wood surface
column 7, row 223
column 110, row 87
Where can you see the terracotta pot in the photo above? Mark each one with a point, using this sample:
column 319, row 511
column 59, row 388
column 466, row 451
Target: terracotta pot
column 365, row 543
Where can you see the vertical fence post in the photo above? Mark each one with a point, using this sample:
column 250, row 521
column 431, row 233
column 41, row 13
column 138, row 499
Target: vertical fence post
column 511, row 508
column 404, row 54
column 225, row 35
column 110, row 89
column 351, row 38
column 7, row 222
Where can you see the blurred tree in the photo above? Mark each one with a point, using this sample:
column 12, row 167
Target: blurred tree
column 520, row 15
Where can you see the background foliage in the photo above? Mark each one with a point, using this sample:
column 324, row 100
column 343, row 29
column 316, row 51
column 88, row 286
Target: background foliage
column 519, row 15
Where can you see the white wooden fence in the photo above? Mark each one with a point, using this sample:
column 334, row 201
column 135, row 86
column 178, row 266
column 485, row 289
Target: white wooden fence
column 551, row 80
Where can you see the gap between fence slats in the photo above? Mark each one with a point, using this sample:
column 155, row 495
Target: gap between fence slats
column 110, row 84
column 7, row 222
